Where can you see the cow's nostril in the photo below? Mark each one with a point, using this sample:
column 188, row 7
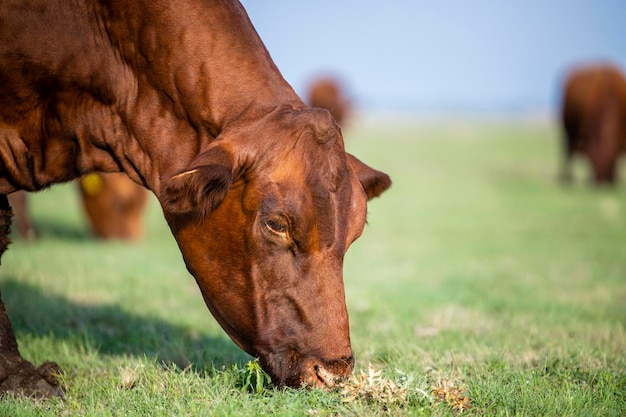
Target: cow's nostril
column 320, row 373
column 328, row 378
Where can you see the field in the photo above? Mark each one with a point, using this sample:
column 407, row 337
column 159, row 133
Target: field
column 480, row 283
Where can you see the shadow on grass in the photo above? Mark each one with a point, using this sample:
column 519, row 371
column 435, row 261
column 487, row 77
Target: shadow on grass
column 113, row 331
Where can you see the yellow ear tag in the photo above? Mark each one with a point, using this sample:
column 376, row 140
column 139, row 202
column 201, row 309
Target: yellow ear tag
column 91, row 184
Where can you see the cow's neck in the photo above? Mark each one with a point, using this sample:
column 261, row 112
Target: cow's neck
column 152, row 84
column 208, row 70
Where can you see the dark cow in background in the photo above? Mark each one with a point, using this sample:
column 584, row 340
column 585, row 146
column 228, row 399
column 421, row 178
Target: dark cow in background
column 330, row 93
column 114, row 205
column 183, row 97
column 594, row 119
column 21, row 213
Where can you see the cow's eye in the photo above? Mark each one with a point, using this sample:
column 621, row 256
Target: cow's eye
column 277, row 226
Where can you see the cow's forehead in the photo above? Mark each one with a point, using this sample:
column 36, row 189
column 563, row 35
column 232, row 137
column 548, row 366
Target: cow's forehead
column 308, row 177
column 317, row 161
column 303, row 160
column 302, row 169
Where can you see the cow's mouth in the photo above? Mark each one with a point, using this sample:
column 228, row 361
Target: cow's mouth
column 328, row 376
column 311, row 372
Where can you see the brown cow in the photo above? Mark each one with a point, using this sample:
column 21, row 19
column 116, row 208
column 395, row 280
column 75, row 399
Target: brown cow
column 114, row 205
column 184, row 98
column 328, row 93
column 594, row 119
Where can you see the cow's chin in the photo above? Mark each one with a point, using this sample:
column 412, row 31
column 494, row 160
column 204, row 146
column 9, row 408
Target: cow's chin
column 310, row 372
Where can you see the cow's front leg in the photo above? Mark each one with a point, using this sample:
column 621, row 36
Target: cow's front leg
column 16, row 374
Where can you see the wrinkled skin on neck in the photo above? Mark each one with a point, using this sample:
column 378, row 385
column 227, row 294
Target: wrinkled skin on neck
column 269, row 258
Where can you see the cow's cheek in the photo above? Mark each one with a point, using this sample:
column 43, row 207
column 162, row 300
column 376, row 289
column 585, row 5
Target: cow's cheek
column 216, row 254
column 302, row 309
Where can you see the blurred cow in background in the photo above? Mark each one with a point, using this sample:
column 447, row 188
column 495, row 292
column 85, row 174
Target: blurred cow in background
column 594, row 119
column 113, row 204
column 330, row 94
column 19, row 202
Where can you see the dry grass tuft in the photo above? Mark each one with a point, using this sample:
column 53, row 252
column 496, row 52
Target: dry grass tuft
column 372, row 386
column 446, row 392
column 128, row 378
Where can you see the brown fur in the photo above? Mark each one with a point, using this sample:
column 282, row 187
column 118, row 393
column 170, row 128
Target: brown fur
column 594, row 118
column 184, row 98
column 6, row 215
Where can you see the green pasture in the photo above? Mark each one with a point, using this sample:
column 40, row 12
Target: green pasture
column 477, row 270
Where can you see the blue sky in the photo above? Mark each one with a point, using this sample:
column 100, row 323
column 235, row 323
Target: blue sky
column 443, row 55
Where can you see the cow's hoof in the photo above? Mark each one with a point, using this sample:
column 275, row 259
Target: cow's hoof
column 21, row 378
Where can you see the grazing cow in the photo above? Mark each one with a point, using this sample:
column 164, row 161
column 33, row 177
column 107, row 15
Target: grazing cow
column 114, row 205
column 594, row 119
column 328, row 93
column 183, row 97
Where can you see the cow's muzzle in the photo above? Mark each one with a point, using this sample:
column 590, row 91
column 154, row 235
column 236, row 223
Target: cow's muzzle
column 320, row 374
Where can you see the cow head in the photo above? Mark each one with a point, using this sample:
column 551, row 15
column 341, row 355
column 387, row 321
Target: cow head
column 263, row 218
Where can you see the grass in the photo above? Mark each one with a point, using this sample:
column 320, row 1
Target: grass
column 477, row 271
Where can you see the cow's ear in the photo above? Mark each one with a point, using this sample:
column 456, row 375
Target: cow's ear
column 201, row 187
column 374, row 182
